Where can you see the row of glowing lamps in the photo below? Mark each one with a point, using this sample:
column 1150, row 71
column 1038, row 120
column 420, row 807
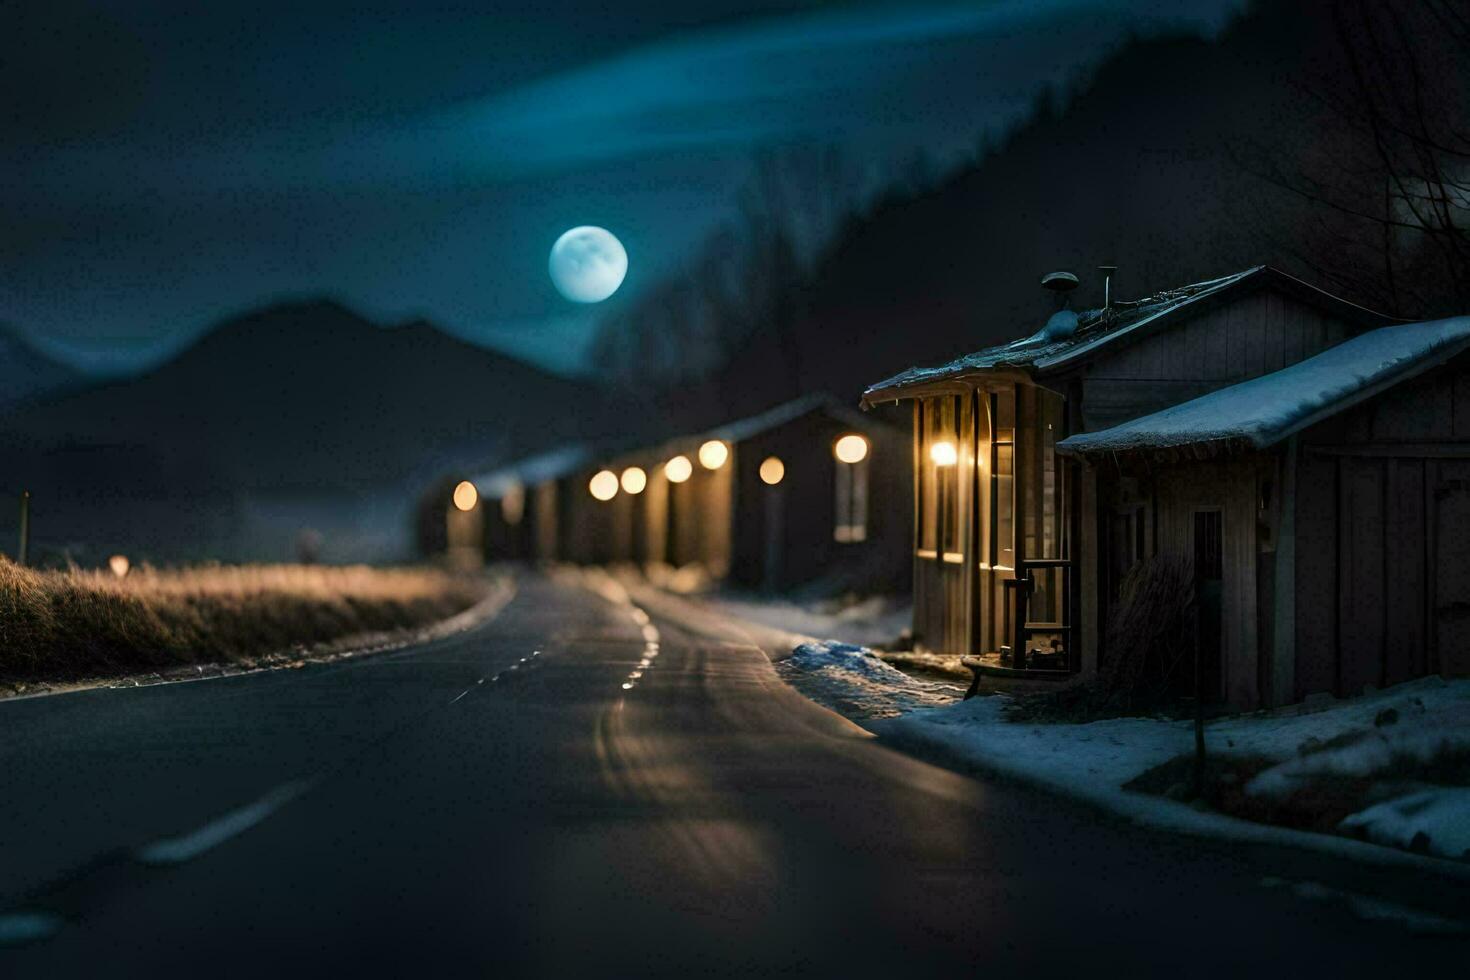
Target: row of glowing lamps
column 604, row 485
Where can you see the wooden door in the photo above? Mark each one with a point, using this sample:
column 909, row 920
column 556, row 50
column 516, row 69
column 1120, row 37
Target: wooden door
column 1451, row 541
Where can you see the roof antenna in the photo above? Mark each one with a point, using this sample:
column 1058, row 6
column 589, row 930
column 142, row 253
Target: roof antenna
column 1107, row 271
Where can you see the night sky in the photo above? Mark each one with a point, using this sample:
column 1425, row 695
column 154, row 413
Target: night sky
column 168, row 164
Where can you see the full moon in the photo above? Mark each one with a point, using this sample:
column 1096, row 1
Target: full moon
column 587, row 264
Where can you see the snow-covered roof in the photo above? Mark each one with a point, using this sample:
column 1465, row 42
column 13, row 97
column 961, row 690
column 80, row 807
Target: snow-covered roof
column 1263, row 411
column 532, row 470
column 774, row 418
column 1101, row 327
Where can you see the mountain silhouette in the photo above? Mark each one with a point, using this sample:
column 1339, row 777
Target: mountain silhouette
column 300, row 401
column 26, row 373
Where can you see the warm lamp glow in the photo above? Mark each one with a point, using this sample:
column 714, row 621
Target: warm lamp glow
column 943, row 454
column 712, row 455
column 851, row 448
column 603, row 486
column 772, row 471
column 119, row 565
column 465, row 495
column 634, row 480
column 678, row 469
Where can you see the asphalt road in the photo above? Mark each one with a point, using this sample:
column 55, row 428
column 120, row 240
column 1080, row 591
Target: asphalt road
column 457, row 809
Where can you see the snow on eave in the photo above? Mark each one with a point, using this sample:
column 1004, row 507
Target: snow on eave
column 532, row 470
column 1036, row 351
column 787, row 412
column 1263, row 411
column 1099, row 330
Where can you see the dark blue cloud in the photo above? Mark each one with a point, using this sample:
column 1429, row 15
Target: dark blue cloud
column 410, row 168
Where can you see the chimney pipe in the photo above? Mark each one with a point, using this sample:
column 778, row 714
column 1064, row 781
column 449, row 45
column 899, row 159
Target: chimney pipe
column 1107, row 271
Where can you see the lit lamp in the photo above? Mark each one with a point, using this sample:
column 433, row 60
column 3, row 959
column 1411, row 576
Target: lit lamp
column 465, row 495
column 678, row 469
column 119, row 565
column 773, row 471
column 851, row 448
column 603, row 486
column 712, row 455
column 943, row 454
column 634, row 480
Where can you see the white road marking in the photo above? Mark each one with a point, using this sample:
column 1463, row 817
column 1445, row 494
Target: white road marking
column 461, row 694
column 177, row 850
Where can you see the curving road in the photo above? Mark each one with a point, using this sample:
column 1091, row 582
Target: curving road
column 455, row 809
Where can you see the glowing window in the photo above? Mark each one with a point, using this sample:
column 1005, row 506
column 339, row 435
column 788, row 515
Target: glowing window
column 773, row 471
column 465, row 495
column 603, row 486
column 634, row 480
column 712, row 455
column 851, row 448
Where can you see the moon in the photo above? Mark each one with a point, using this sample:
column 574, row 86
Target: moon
column 587, row 264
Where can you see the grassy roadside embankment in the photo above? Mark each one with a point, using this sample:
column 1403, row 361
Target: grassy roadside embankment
column 67, row 626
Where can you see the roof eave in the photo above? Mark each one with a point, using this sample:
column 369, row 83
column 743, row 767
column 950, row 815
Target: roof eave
column 949, row 384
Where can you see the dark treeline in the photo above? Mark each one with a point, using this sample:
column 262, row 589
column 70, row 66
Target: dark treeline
column 1330, row 139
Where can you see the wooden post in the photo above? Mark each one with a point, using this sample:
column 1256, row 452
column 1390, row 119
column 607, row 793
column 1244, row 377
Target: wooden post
column 25, row 527
column 775, row 540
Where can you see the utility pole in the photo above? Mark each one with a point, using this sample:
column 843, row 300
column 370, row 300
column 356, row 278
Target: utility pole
column 25, row 526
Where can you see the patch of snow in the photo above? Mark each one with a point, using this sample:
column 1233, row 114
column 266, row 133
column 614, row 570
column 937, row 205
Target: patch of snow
column 851, row 680
column 1093, row 761
column 1265, row 410
column 1419, row 737
column 872, row 621
column 1435, row 820
column 1060, row 325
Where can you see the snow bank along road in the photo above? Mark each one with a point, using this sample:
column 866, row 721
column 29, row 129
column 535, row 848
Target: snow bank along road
column 579, row 787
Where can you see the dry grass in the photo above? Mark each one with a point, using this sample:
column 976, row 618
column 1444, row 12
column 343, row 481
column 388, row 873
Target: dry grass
column 67, row 625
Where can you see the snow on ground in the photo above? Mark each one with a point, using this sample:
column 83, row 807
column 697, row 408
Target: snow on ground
column 872, row 621
column 1435, row 819
column 1367, row 736
column 849, row 679
column 1412, row 724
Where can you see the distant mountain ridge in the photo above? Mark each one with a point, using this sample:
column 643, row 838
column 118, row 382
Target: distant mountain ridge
column 298, row 401
column 26, row 372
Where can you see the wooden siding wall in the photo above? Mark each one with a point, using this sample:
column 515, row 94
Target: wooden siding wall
column 802, row 508
column 943, row 611
column 1257, row 334
column 1230, row 487
column 543, row 506
column 1383, row 539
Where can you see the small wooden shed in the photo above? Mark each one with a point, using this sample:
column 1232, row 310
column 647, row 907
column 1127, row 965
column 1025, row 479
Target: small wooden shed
column 1026, row 517
column 1331, row 501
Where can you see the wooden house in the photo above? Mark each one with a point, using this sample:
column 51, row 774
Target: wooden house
column 808, row 490
column 518, row 512
column 1303, row 453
